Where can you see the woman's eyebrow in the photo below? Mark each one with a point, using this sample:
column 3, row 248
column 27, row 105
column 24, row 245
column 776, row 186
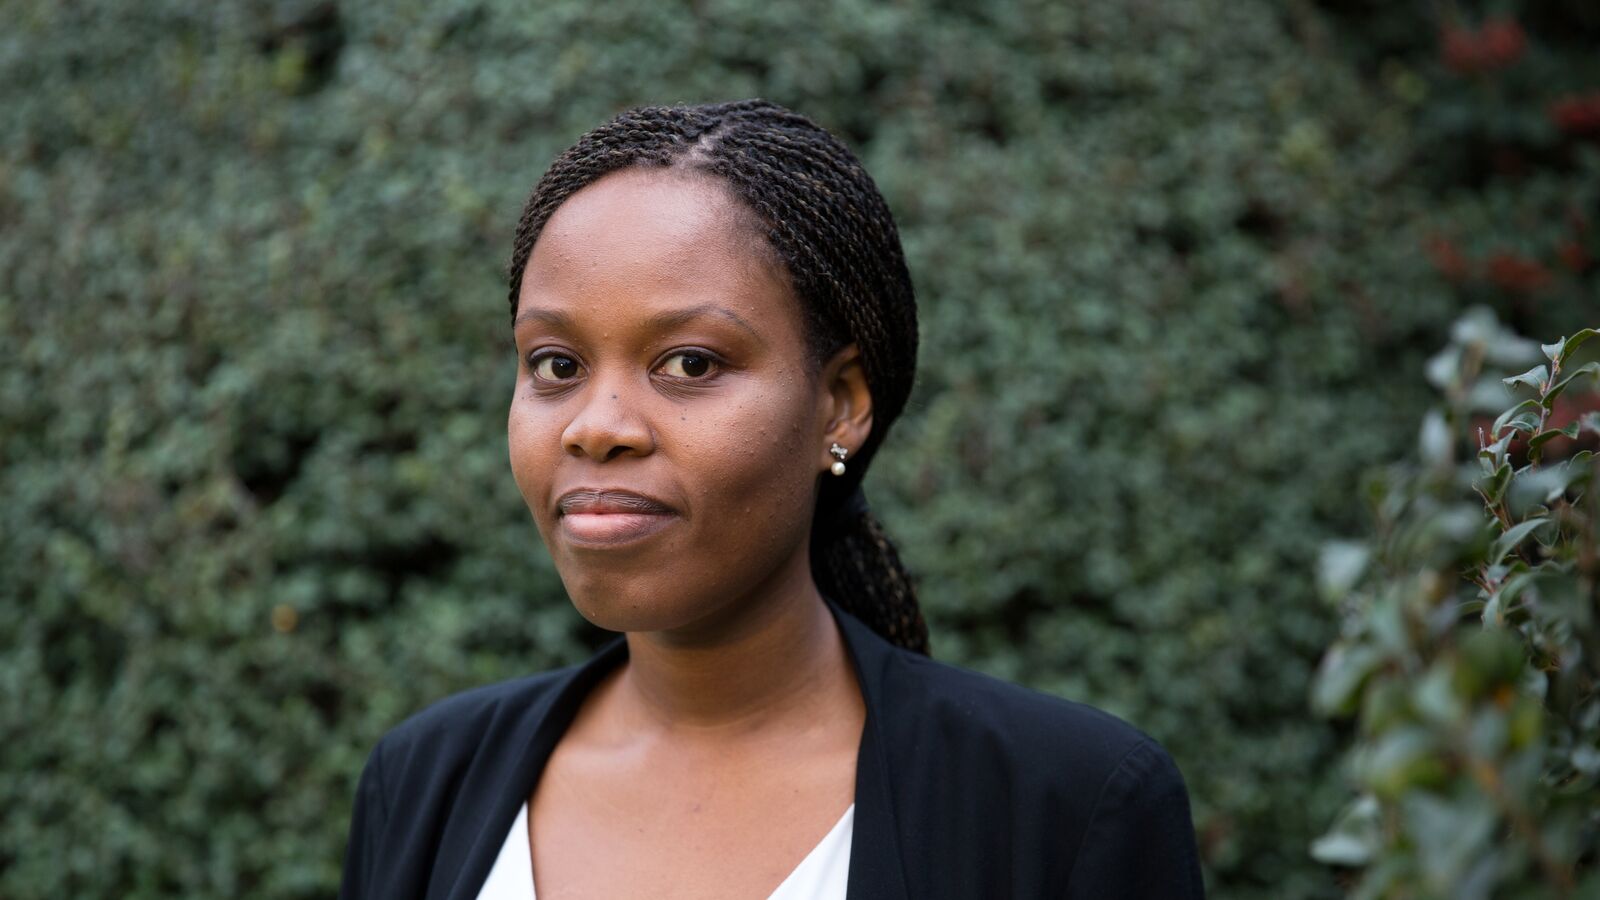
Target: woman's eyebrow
column 559, row 321
column 660, row 321
column 678, row 317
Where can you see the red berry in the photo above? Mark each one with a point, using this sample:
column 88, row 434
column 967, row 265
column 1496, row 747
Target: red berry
column 1502, row 42
column 1448, row 259
column 1573, row 255
column 1517, row 274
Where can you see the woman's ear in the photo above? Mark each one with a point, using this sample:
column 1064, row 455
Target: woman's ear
column 847, row 404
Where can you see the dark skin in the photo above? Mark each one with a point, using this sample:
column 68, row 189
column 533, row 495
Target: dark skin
column 724, row 749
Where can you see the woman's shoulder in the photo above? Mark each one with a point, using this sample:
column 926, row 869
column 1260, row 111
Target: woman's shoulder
column 431, row 781
column 1037, row 734
column 1063, row 793
column 457, row 724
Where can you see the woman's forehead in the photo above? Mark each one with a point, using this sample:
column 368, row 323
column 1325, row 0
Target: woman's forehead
column 648, row 240
column 636, row 211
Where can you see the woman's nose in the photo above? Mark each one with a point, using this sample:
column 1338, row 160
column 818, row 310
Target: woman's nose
column 607, row 425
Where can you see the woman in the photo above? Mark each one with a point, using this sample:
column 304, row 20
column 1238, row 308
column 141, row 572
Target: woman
column 715, row 328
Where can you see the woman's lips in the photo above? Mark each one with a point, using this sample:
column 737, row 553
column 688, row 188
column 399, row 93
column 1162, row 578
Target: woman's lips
column 611, row 528
column 609, row 516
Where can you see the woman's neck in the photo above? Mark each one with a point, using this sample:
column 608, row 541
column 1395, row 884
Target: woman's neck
column 774, row 658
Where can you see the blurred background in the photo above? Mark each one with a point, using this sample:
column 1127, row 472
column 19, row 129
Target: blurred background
column 1180, row 266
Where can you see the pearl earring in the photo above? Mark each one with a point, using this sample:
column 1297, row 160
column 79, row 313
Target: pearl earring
column 838, row 463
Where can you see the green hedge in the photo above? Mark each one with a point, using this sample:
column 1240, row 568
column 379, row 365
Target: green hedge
column 257, row 506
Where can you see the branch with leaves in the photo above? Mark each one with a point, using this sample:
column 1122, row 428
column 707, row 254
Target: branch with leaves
column 1469, row 651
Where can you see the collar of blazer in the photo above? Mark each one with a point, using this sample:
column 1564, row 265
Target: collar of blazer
column 876, row 866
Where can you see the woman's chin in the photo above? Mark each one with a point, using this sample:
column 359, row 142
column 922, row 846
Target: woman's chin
column 616, row 611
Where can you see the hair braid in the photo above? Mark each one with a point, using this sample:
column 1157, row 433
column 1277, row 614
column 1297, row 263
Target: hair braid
column 829, row 227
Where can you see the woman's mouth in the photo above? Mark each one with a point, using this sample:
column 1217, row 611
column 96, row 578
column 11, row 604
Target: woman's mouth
column 611, row 528
column 607, row 517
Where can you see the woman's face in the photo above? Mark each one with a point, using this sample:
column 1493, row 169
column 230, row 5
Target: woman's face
column 661, row 355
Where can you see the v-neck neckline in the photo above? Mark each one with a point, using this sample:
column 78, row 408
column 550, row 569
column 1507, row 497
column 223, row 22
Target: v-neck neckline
column 511, row 875
column 875, row 864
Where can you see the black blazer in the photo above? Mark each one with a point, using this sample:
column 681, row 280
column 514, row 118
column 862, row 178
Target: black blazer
column 966, row 787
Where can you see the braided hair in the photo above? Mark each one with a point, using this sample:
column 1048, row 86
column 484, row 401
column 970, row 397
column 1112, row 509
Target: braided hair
column 832, row 233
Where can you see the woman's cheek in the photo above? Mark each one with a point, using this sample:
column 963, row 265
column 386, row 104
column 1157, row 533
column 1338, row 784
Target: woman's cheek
column 764, row 461
column 526, row 437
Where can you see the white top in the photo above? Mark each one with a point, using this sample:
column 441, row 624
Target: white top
column 820, row 876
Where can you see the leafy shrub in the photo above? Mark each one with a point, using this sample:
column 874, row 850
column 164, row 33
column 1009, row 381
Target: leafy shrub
column 256, row 500
column 1469, row 639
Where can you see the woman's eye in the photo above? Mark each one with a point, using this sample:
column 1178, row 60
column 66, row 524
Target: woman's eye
column 688, row 364
column 555, row 367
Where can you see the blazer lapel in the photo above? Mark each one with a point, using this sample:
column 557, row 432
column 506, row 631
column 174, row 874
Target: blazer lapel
column 876, row 868
column 492, row 804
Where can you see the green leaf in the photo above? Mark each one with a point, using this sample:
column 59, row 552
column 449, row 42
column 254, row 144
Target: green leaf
column 1544, row 437
column 1434, row 441
column 1516, row 417
column 1434, row 698
column 1355, row 836
column 1574, row 342
column 1494, row 486
column 1337, row 687
column 1532, row 487
column 1526, row 422
column 1495, row 454
column 1401, row 760
column 1443, row 367
column 1339, row 567
column 1477, row 325
column 1590, row 421
column 1487, row 659
column 1591, row 369
column 1562, row 601
column 1449, row 834
column 1512, row 587
column 1386, row 621
column 1504, row 601
column 1534, row 683
column 1553, row 351
column 1493, row 612
column 1500, row 345
column 1536, row 378
column 1514, row 536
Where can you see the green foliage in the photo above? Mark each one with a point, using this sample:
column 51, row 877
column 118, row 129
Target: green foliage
column 1469, row 644
column 257, row 506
